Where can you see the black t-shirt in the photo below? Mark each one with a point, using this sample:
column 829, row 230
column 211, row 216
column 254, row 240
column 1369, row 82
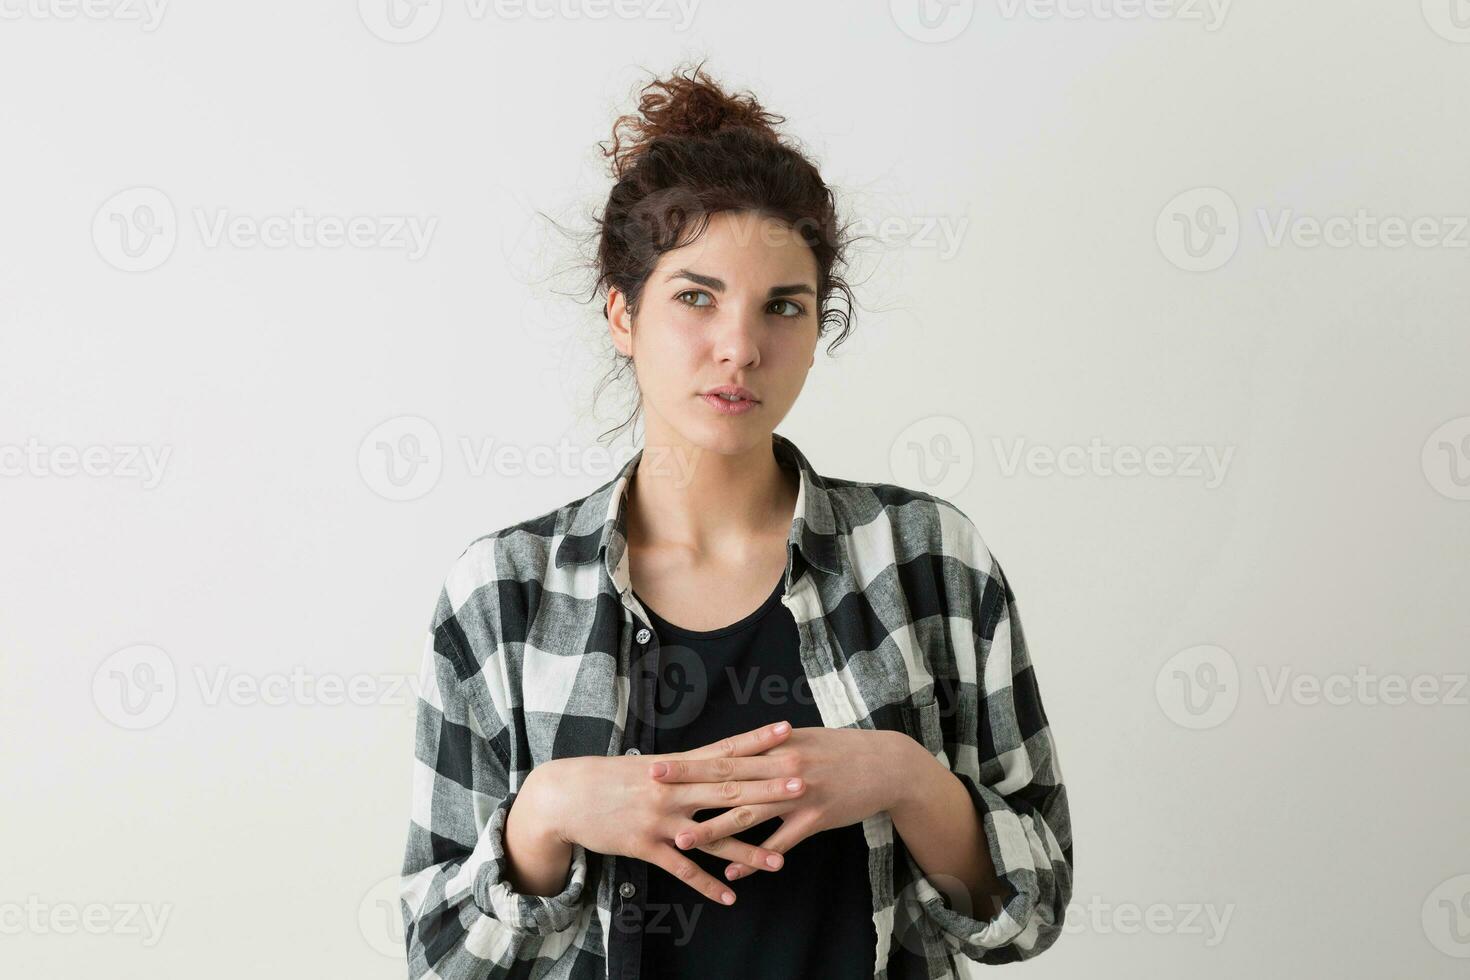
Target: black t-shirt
column 811, row 919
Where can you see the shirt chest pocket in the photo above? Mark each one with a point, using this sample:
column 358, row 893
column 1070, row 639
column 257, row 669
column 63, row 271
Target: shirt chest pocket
column 921, row 722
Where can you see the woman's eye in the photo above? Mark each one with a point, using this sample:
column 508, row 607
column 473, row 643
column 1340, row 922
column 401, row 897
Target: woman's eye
column 781, row 307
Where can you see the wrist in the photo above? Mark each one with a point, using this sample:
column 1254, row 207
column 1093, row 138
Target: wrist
column 537, row 860
column 909, row 766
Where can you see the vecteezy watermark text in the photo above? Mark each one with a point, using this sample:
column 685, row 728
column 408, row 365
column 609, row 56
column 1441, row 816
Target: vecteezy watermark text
column 1195, row 462
column 1210, row 13
column 121, row 461
column 1157, row 919
column 404, row 457
column 148, row 14
column 37, row 917
column 1201, row 229
column 407, row 21
column 408, row 233
column 1200, row 687
column 137, row 229
column 138, row 687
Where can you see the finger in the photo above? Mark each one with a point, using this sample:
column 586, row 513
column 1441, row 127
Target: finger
column 736, row 870
column 677, row 769
column 785, row 837
column 745, row 855
column 683, row 868
column 734, row 792
column 753, row 742
column 733, row 821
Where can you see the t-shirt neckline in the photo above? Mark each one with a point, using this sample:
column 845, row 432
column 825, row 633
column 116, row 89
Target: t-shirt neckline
column 745, row 622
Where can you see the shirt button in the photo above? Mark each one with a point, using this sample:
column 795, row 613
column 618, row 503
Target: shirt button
column 644, row 636
column 633, row 751
column 627, row 889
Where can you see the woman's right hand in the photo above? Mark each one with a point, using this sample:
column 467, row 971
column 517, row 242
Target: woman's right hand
column 612, row 805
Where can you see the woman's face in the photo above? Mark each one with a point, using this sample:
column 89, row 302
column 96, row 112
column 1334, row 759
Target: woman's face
column 735, row 307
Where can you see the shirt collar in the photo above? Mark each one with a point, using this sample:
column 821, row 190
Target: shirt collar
column 598, row 526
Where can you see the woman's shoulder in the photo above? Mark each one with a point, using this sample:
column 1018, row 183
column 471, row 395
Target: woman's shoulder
column 512, row 557
column 918, row 521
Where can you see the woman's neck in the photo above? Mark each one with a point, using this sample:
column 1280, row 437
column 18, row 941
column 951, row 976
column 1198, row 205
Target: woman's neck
column 701, row 502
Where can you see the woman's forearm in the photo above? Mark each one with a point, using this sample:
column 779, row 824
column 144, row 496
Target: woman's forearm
column 939, row 826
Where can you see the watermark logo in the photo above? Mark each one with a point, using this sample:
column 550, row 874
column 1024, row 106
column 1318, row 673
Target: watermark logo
column 935, row 454
column 400, row 21
column 1199, row 230
column 402, row 458
column 932, row 21
column 1450, row 19
column 380, row 917
column 1198, row 687
column 136, row 687
column 683, row 685
column 1446, row 917
column 1446, row 459
column 136, row 229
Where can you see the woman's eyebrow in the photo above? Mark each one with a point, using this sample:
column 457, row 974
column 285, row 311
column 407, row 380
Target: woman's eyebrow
column 718, row 285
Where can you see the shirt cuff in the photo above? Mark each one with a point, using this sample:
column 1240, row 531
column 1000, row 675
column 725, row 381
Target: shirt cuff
column 536, row 915
column 1029, row 920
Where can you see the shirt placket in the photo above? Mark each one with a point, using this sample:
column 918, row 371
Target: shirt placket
column 630, row 875
column 838, row 710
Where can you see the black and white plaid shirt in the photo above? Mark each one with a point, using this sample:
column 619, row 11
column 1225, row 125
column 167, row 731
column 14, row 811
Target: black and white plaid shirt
column 536, row 651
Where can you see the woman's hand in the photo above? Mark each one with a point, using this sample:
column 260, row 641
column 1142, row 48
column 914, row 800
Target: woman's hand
column 850, row 774
column 612, row 805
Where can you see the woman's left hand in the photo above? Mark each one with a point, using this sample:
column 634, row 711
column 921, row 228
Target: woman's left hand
column 850, row 774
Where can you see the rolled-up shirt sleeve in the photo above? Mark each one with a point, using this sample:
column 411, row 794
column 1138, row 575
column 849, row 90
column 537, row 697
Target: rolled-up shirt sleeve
column 1006, row 757
column 461, row 914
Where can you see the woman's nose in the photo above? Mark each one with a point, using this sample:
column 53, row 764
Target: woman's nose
column 738, row 338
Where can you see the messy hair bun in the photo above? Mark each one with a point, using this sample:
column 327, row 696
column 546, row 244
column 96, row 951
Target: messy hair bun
column 684, row 106
column 693, row 150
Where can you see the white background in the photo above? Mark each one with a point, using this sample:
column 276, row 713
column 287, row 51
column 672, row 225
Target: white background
column 1223, row 829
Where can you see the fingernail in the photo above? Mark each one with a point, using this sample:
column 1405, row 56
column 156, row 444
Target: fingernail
column 660, row 768
column 732, row 872
column 793, row 784
column 728, row 898
column 781, row 728
column 684, row 840
column 774, row 860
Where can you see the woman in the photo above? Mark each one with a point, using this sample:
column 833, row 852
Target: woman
column 722, row 671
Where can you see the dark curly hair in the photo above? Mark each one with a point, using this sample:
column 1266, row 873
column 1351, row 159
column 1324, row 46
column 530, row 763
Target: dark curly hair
column 693, row 150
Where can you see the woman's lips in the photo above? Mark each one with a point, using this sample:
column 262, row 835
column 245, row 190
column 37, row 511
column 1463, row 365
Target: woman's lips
column 726, row 407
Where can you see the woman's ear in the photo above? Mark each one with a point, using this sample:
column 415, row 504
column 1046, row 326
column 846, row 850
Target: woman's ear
column 620, row 322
